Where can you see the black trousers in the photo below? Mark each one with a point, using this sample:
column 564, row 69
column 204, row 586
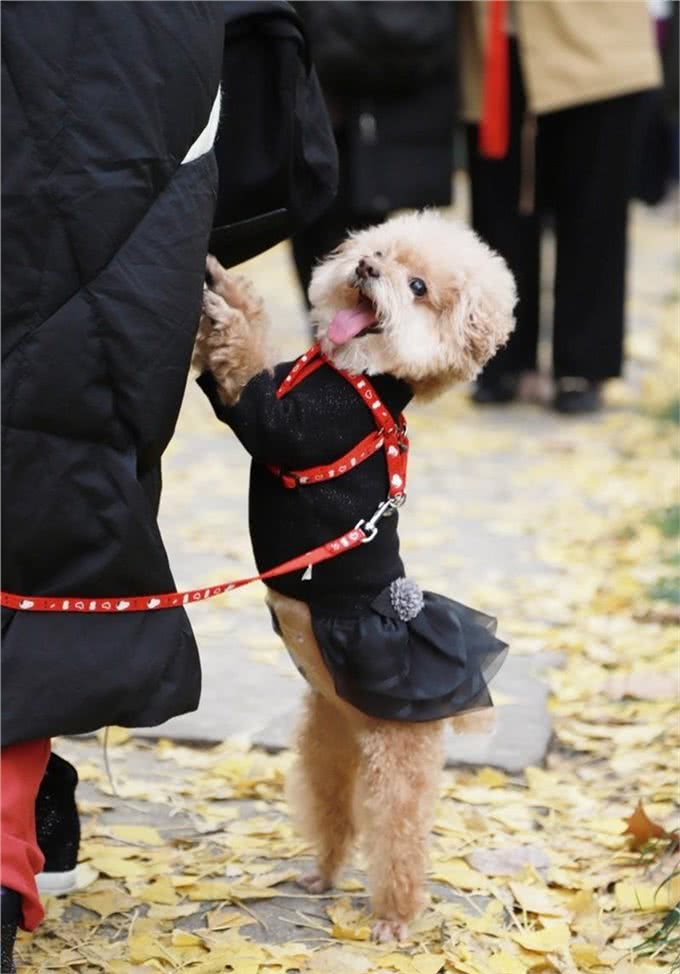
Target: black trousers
column 584, row 161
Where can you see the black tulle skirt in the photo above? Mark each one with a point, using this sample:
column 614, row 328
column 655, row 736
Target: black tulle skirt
column 435, row 665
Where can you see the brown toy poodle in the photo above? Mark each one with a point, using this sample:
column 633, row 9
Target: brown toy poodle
column 402, row 309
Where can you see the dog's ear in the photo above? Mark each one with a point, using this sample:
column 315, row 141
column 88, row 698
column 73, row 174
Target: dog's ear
column 325, row 272
column 478, row 319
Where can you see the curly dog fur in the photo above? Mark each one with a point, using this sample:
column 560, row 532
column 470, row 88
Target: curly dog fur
column 356, row 776
column 232, row 334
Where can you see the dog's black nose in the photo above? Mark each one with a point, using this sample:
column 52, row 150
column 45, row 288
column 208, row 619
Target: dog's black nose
column 366, row 269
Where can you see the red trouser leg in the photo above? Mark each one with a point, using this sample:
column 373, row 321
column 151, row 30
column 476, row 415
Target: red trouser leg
column 22, row 767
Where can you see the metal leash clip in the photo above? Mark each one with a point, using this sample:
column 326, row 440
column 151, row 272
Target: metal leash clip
column 387, row 507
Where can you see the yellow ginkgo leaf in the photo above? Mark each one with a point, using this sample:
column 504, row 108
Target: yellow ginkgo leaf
column 182, row 938
column 544, row 941
column 400, row 963
column 340, row 959
column 647, row 897
column 536, row 899
column 138, row 834
column 351, row 886
column 226, row 920
column 105, row 902
column 428, row 963
column 275, row 877
column 586, row 956
column 459, row 875
column 209, row 889
column 118, row 867
column 505, row 963
column 144, row 947
column 491, row 777
column 340, row 932
column 160, row 890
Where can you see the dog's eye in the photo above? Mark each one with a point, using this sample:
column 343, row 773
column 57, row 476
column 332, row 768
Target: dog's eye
column 418, row 286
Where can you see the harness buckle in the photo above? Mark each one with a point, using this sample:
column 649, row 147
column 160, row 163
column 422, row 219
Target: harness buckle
column 362, row 525
column 385, row 509
column 397, row 501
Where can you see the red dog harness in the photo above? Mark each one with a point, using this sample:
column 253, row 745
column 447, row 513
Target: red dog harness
column 388, row 435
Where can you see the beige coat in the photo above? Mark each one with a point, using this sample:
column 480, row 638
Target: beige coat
column 571, row 51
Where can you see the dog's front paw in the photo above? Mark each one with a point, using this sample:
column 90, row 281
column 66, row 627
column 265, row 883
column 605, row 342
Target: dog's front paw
column 314, row 882
column 215, row 308
column 216, row 275
column 211, row 329
column 385, row 930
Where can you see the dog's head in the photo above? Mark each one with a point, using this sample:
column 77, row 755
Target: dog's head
column 419, row 297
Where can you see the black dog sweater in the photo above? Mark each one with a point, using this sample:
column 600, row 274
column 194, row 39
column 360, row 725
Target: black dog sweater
column 430, row 661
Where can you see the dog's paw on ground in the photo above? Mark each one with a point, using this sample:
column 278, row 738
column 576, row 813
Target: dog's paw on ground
column 384, row 931
column 314, row 882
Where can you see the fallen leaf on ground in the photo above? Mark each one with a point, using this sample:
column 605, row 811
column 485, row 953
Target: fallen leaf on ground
column 544, row 941
column 642, row 829
column 508, row 860
column 647, row 897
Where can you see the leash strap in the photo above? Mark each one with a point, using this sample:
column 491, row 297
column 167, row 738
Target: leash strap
column 389, row 435
column 170, row 600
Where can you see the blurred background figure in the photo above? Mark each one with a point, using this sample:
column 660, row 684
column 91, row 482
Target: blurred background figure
column 388, row 74
column 657, row 173
column 552, row 94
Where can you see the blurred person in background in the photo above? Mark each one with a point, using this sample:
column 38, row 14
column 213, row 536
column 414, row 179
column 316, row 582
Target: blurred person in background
column 656, row 178
column 387, row 70
column 552, row 96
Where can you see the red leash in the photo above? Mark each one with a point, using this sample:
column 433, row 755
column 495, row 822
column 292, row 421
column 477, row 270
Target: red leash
column 143, row 603
column 389, row 435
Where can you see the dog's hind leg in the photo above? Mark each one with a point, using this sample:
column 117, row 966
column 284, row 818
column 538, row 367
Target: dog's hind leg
column 397, row 790
column 321, row 787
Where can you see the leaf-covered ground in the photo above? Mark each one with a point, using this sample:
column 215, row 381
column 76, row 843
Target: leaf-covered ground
column 558, row 869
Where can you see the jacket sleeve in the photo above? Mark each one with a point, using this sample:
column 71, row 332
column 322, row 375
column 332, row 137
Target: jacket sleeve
column 270, row 429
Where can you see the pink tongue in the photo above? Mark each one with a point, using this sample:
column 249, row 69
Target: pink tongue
column 349, row 322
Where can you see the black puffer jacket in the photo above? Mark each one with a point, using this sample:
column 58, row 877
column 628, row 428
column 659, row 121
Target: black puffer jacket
column 105, row 233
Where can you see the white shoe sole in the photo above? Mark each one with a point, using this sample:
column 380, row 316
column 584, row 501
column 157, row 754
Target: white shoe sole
column 69, row 881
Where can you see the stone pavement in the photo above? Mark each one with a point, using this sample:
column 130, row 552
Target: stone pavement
column 468, row 530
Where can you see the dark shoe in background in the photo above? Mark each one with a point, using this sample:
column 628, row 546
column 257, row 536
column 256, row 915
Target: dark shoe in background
column 497, row 390
column 58, row 827
column 10, row 909
column 577, row 396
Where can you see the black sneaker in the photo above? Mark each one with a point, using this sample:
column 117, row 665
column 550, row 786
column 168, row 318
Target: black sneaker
column 58, row 827
column 10, row 910
column 496, row 391
column 575, row 396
